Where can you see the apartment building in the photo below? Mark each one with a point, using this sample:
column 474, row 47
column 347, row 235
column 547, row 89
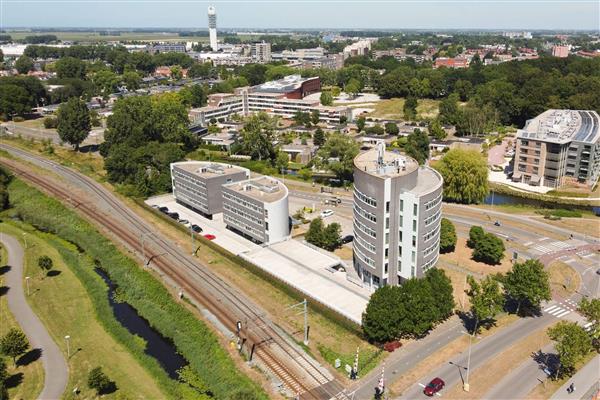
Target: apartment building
column 360, row 48
column 560, row 51
column 558, row 147
column 283, row 98
column 197, row 184
column 261, row 52
column 397, row 217
column 258, row 209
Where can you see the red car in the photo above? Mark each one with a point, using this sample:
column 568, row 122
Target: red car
column 434, row 386
column 210, row 237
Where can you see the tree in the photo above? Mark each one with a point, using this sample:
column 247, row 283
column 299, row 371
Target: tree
column 419, row 308
column 489, row 249
column 194, row 96
column 319, row 137
column 24, row 64
column 256, row 138
column 99, row 381
column 527, row 283
column 449, row 110
column 314, row 235
column 391, row 128
column 410, row 108
column 442, row 292
column 326, row 98
column 332, row 236
column 14, row 343
column 14, row 100
column 447, row 236
column 417, row 146
column 465, row 176
column 591, row 310
column 353, row 87
column 486, row 300
column 74, row 122
column 380, row 320
column 325, row 237
column 131, row 80
column 476, row 233
column 70, row 67
column 302, row 118
column 572, row 344
column 45, row 263
column 176, row 72
column 315, row 117
column 107, row 81
column 281, row 161
column 436, row 130
column 3, row 377
column 337, row 155
column 360, row 123
column 375, row 130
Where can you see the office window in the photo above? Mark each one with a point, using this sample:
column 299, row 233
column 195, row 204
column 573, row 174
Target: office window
column 399, row 251
column 413, row 256
column 415, row 210
column 414, row 225
column 385, row 268
column 387, row 206
column 401, row 205
column 387, row 223
column 386, row 252
column 414, row 241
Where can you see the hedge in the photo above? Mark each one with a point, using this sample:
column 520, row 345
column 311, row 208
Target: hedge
column 192, row 338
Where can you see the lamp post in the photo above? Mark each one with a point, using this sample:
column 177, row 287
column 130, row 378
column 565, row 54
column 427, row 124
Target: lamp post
column 192, row 238
column 27, row 284
column 67, row 339
column 25, row 239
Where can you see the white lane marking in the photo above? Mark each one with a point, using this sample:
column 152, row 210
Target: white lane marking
column 562, row 314
column 528, row 244
column 550, row 308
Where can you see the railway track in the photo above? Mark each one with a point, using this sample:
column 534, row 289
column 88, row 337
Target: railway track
column 297, row 371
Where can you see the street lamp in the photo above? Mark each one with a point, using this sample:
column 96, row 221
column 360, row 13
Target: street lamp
column 25, row 239
column 27, row 284
column 67, row 339
column 466, row 385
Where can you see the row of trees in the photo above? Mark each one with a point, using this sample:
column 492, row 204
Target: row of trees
column 409, row 310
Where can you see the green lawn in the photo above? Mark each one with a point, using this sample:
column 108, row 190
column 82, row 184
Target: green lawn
column 65, row 308
column 392, row 109
column 32, row 375
column 90, row 36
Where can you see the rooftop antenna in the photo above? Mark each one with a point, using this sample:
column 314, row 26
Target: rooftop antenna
column 380, row 153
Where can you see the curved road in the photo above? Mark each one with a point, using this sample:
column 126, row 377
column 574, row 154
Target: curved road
column 56, row 370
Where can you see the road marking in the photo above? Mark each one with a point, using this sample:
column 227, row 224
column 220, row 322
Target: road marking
column 550, row 308
column 562, row 314
column 528, row 244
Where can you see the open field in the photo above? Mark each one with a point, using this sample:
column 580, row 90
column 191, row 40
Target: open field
column 25, row 381
column 392, row 109
column 488, row 374
column 64, row 307
column 94, row 36
column 587, row 226
column 564, row 280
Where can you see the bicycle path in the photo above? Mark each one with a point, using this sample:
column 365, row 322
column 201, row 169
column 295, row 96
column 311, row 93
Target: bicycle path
column 56, row 370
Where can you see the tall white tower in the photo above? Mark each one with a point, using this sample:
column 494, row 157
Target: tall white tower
column 212, row 27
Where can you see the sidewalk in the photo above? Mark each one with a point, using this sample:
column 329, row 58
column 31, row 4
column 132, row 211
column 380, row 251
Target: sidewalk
column 584, row 380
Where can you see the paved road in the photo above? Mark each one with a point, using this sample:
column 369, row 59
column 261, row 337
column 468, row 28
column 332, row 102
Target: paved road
column 586, row 382
column 55, row 367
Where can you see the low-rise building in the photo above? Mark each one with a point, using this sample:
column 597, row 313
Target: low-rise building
column 458, row 62
column 560, row 51
column 198, row 184
column 258, row 209
column 558, row 146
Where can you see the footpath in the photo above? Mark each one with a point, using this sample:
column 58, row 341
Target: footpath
column 56, row 370
column 586, row 382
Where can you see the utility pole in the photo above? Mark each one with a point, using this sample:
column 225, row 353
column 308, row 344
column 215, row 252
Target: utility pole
column 192, row 238
column 27, row 283
column 142, row 237
column 304, row 311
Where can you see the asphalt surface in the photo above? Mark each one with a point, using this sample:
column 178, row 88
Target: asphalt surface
column 586, row 382
column 56, row 370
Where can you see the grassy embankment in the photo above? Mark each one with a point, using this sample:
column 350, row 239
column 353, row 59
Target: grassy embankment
column 192, row 338
column 62, row 303
column 25, row 381
column 393, row 109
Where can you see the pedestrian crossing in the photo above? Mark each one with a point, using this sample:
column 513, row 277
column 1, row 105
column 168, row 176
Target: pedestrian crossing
column 588, row 326
column 562, row 309
column 551, row 247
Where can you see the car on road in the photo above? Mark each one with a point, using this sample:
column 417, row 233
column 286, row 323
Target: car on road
column 347, row 239
column 333, row 200
column 210, row 237
column 196, row 228
column 434, row 386
column 173, row 215
column 326, row 213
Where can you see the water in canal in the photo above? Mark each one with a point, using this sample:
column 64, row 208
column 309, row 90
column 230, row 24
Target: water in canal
column 162, row 349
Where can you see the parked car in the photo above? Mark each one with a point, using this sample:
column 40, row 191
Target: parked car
column 163, row 209
column 184, row 222
column 347, row 239
column 391, row 346
column 196, row 228
column 173, row 215
column 333, row 200
column 434, row 386
column 210, row 237
column 155, row 206
column 326, row 213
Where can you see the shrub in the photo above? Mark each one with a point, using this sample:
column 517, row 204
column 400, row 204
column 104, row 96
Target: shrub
column 50, row 122
column 489, row 249
column 447, row 236
column 475, row 234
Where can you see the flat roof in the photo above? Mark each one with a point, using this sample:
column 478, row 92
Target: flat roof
column 563, row 126
column 207, row 169
column 284, row 85
column 264, row 188
column 428, row 180
column 392, row 165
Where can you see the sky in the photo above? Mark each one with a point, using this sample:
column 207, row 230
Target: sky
column 307, row 14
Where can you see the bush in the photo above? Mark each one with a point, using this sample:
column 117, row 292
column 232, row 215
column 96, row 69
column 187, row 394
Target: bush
column 489, row 249
column 50, row 122
column 99, row 381
column 476, row 233
column 447, row 236
column 18, row 119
